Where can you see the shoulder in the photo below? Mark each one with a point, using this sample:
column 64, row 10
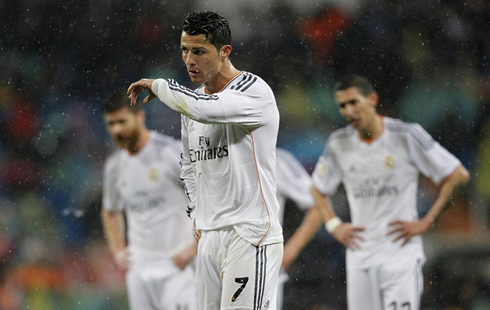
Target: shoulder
column 283, row 157
column 247, row 82
column 342, row 134
column 286, row 161
column 163, row 141
column 411, row 131
column 112, row 161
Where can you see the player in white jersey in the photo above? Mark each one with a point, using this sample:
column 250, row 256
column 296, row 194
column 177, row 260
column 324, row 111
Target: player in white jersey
column 378, row 159
column 229, row 133
column 142, row 181
column 294, row 183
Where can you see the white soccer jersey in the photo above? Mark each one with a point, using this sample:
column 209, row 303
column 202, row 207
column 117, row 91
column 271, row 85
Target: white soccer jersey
column 148, row 188
column 293, row 182
column 228, row 159
column 381, row 180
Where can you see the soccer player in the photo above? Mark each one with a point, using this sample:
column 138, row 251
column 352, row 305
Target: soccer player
column 294, row 183
column 378, row 159
column 229, row 133
column 141, row 181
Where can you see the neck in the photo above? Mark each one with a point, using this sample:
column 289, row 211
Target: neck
column 227, row 72
column 373, row 130
column 140, row 143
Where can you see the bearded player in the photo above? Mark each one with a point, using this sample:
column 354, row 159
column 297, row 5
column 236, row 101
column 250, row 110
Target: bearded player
column 141, row 182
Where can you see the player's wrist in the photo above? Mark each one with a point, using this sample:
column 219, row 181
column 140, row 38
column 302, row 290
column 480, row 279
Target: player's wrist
column 332, row 224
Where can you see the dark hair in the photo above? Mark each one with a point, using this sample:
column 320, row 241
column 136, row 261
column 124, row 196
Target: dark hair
column 361, row 83
column 211, row 24
column 118, row 100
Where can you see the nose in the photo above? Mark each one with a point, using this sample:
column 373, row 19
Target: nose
column 116, row 129
column 348, row 110
column 189, row 59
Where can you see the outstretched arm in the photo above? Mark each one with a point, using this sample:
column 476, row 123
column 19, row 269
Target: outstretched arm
column 302, row 236
column 447, row 193
column 345, row 233
column 248, row 108
column 114, row 229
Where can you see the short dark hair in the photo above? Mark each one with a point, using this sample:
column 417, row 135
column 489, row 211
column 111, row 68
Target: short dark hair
column 361, row 83
column 211, row 24
column 118, row 100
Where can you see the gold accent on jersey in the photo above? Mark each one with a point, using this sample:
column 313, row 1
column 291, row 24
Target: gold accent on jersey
column 153, row 175
column 389, row 163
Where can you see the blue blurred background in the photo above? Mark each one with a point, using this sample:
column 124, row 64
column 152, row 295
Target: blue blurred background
column 428, row 60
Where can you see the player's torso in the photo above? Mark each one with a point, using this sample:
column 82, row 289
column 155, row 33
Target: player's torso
column 380, row 181
column 154, row 203
column 141, row 182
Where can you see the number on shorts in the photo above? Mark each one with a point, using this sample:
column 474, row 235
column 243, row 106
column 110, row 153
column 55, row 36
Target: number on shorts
column 243, row 282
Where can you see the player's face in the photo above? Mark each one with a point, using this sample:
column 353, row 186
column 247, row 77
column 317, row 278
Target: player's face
column 201, row 58
column 357, row 109
column 124, row 127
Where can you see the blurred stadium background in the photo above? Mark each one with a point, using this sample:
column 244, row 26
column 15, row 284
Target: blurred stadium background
column 429, row 61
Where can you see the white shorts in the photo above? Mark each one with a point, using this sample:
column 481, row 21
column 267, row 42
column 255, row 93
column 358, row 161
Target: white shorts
column 394, row 285
column 161, row 287
column 234, row 274
column 283, row 278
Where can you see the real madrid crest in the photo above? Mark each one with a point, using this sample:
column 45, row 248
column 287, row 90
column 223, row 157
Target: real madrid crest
column 153, row 175
column 389, row 163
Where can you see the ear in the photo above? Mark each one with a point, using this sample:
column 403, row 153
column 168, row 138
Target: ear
column 373, row 97
column 225, row 52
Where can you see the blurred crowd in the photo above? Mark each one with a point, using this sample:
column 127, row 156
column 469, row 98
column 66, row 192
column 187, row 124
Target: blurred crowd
column 428, row 60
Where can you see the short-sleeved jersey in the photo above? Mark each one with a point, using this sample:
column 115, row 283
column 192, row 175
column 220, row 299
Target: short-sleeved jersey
column 381, row 180
column 229, row 156
column 293, row 182
column 147, row 187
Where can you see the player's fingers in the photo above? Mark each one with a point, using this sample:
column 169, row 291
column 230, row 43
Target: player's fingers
column 358, row 228
column 358, row 237
column 397, row 222
column 407, row 238
column 352, row 245
column 400, row 236
column 395, row 230
column 355, row 245
column 132, row 87
column 133, row 97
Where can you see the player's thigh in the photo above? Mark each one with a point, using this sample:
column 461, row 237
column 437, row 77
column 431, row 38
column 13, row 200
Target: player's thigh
column 250, row 276
column 402, row 283
column 138, row 294
column 179, row 291
column 208, row 270
column 283, row 278
column 363, row 290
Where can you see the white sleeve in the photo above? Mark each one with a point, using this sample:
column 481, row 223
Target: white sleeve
column 111, row 199
column 430, row 158
column 186, row 172
column 293, row 181
column 226, row 107
column 327, row 174
column 171, row 155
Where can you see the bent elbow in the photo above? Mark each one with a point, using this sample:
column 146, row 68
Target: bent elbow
column 465, row 175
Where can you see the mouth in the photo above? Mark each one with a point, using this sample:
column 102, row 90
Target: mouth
column 354, row 122
column 194, row 73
